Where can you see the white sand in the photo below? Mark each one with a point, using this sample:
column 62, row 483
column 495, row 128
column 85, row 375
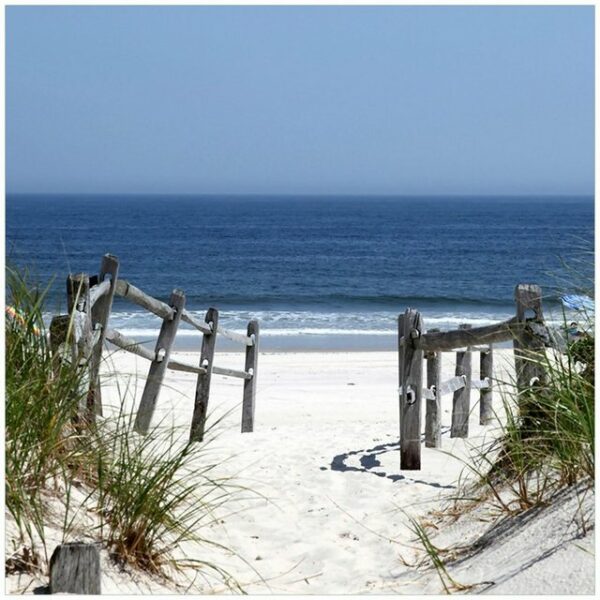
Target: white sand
column 324, row 456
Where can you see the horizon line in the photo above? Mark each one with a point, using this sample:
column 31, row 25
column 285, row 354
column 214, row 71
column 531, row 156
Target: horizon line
column 315, row 194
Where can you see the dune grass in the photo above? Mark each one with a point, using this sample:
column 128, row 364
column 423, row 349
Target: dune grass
column 546, row 436
column 150, row 494
column 41, row 397
column 156, row 493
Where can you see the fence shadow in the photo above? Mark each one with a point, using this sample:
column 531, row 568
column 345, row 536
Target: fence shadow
column 369, row 463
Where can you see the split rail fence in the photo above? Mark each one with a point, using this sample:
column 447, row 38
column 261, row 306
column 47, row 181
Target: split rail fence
column 530, row 336
column 82, row 333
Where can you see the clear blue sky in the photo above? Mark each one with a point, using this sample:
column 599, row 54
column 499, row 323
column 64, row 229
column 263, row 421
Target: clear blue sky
column 389, row 100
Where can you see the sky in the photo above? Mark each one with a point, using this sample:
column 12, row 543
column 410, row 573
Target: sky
column 300, row 100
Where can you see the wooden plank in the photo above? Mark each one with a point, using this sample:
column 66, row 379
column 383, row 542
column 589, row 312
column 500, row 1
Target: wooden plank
column 429, row 395
column 108, row 275
column 160, row 363
column 176, row 365
column 236, row 337
column 75, row 569
column 410, row 326
column 484, row 348
column 162, row 310
column 97, row 291
column 203, row 383
column 251, row 365
column 452, row 385
column 202, row 327
column 129, row 291
column 231, row 373
column 461, row 400
column 486, row 370
column 129, row 344
column 480, row 384
column 135, row 295
column 458, row 338
column 433, row 408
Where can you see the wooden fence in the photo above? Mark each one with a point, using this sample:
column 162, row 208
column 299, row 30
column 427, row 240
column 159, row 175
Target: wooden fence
column 81, row 335
column 530, row 336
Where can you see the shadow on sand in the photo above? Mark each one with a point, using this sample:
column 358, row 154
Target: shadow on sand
column 369, row 462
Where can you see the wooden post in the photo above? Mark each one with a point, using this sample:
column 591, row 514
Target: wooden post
column 59, row 327
column 203, row 383
column 410, row 326
column 78, row 301
column 109, row 267
column 166, row 337
column 433, row 408
column 529, row 353
column 461, row 402
column 486, row 370
column 75, row 569
column 250, row 384
column 528, row 348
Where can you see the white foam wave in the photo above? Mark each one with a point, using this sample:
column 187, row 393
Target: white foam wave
column 142, row 325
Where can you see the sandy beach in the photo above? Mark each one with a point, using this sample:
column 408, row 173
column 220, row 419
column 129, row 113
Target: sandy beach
column 328, row 508
column 324, row 455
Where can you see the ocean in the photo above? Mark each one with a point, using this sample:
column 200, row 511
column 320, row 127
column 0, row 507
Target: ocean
column 318, row 273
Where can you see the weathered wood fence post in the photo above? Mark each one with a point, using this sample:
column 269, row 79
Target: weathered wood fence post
column 81, row 340
column 461, row 399
column 75, row 569
column 158, row 366
column 109, row 267
column 528, row 348
column 203, row 383
column 410, row 326
column 529, row 351
column 486, row 371
column 251, row 365
column 59, row 327
column 433, row 410
column 78, row 304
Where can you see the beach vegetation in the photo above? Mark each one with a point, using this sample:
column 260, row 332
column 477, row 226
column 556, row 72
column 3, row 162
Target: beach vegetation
column 544, row 443
column 141, row 497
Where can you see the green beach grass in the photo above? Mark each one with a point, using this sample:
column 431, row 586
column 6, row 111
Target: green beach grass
column 149, row 494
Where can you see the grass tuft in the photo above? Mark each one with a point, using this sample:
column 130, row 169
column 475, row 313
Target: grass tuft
column 149, row 496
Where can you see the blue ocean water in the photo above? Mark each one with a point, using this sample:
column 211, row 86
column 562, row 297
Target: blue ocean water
column 318, row 271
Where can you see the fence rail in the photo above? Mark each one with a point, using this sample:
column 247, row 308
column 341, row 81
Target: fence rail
column 82, row 333
column 164, row 311
column 529, row 335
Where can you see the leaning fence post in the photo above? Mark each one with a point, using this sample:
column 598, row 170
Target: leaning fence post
column 486, row 371
column 461, row 401
column 162, row 351
column 250, row 384
column 109, row 267
column 410, row 326
column 203, row 383
column 433, row 408
column 75, row 569
column 78, row 301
